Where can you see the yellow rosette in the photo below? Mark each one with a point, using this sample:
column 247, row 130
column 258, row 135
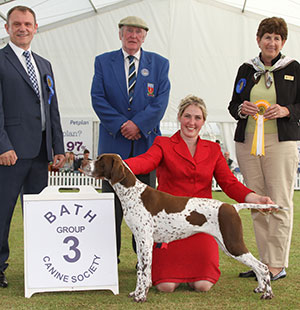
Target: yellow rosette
column 258, row 144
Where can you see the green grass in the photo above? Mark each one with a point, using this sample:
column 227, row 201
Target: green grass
column 230, row 292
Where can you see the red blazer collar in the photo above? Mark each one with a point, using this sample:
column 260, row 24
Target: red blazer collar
column 181, row 148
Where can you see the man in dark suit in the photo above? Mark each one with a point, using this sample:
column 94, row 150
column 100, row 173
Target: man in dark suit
column 30, row 129
column 130, row 93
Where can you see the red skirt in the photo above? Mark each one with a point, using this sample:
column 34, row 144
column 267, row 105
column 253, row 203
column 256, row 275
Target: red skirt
column 187, row 260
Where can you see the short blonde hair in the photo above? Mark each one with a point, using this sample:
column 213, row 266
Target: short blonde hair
column 192, row 100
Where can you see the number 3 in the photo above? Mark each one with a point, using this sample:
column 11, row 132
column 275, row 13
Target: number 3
column 72, row 248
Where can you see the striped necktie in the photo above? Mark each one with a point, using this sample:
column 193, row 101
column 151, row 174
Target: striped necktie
column 131, row 78
column 31, row 72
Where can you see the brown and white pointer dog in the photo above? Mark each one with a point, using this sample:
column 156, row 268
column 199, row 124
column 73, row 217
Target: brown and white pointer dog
column 155, row 216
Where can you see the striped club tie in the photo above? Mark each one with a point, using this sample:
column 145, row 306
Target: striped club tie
column 31, row 72
column 131, row 78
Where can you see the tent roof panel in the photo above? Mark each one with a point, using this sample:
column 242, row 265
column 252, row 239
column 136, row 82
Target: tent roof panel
column 53, row 11
column 287, row 9
column 56, row 11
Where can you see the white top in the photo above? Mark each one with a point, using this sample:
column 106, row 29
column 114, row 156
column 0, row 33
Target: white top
column 136, row 60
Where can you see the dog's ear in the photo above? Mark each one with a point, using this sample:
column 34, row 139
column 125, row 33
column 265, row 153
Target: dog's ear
column 112, row 168
column 118, row 170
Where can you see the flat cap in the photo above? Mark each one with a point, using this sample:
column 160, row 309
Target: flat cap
column 133, row 21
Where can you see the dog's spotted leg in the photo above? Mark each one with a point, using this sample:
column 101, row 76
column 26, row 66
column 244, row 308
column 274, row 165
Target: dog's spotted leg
column 144, row 254
column 262, row 274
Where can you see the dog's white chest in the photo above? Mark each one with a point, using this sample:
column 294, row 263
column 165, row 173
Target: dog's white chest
column 130, row 197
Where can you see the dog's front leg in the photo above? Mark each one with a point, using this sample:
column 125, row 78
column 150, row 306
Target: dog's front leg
column 144, row 253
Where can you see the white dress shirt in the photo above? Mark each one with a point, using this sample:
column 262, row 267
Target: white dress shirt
column 137, row 56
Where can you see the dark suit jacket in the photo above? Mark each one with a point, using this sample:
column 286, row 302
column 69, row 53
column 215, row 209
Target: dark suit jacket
column 111, row 103
column 20, row 113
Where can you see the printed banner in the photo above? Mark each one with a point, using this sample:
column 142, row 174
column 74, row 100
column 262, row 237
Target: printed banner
column 78, row 134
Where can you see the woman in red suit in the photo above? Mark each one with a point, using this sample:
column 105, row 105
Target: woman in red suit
column 185, row 165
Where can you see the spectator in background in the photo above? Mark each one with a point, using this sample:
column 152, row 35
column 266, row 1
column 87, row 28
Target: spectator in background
column 69, row 164
column 228, row 160
column 86, row 154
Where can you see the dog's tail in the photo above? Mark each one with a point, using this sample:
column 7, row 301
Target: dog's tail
column 241, row 206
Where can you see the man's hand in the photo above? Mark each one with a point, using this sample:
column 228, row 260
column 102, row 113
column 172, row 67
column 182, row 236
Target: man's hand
column 130, row 130
column 8, row 158
column 59, row 161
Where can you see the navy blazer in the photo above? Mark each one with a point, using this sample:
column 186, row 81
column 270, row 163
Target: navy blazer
column 111, row 103
column 20, row 112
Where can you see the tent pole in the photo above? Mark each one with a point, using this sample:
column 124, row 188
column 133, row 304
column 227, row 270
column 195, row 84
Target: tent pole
column 3, row 2
column 244, row 6
column 2, row 16
column 93, row 6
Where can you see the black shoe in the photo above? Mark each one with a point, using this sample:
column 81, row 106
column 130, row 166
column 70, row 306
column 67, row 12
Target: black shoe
column 280, row 275
column 3, row 280
column 247, row 274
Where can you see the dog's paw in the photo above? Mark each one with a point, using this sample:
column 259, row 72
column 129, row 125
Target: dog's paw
column 258, row 290
column 267, row 295
column 132, row 294
column 138, row 297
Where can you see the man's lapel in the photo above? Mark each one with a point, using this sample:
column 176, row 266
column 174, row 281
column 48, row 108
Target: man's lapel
column 13, row 59
column 43, row 72
column 119, row 71
column 144, row 63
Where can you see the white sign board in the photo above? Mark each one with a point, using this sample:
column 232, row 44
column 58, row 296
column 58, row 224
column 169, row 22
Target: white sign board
column 78, row 134
column 69, row 241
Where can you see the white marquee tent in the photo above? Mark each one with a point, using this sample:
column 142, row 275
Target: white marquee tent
column 204, row 40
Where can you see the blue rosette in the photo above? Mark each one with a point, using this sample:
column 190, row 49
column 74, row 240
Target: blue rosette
column 240, row 85
column 50, row 85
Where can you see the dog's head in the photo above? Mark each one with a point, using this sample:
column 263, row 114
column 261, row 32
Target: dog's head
column 110, row 167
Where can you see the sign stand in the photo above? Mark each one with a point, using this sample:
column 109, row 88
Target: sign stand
column 69, row 241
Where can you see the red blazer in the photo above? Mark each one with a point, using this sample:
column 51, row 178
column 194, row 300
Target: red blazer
column 181, row 174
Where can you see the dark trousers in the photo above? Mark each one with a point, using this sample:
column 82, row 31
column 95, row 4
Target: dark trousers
column 27, row 176
column 149, row 179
